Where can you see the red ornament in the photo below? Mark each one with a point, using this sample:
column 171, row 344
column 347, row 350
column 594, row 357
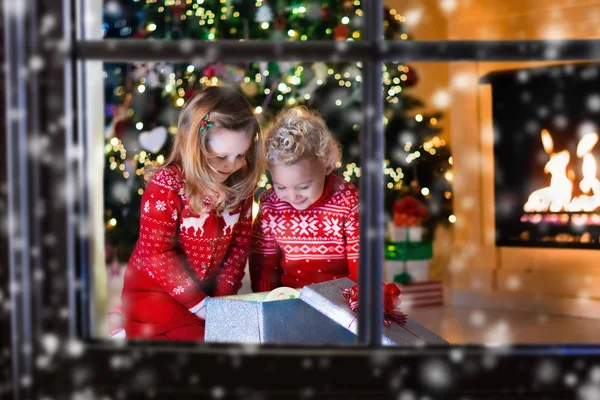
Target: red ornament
column 348, row 6
column 279, row 23
column 140, row 33
column 209, row 71
column 411, row 78
column 341, row 32
column 178, row 10
column 325, row 13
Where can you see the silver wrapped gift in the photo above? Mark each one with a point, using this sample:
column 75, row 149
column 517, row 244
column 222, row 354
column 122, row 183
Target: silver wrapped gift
column 249, row 319
column 321, row 316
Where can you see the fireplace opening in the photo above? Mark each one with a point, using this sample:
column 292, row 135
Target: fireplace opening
column 546, row 123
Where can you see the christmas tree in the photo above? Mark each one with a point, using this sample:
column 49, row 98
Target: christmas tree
column 143, row 99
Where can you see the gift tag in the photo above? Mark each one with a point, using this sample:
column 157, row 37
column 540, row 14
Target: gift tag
column 282, row 293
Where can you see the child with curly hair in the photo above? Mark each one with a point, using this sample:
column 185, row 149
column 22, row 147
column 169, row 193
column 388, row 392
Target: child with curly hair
column 306, row 230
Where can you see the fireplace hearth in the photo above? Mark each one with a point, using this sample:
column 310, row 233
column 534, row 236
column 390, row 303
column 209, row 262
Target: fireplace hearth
column 546, row 124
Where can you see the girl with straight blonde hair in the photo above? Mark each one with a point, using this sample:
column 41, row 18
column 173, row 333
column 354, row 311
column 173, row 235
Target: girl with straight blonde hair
column 196, row 219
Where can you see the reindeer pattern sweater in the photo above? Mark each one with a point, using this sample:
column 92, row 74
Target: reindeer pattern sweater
column 299, row 247
column 183, row 254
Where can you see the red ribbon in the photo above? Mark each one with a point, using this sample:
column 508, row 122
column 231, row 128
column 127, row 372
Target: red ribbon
column 391, row 303
column 409, row 211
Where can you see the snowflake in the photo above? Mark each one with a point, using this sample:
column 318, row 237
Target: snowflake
column 351, row 226
column 277, row 225
column 332, row 225
column 304, row 224
column 174, row 216
column 178, row 290
column 147, row 207
column 161, row 205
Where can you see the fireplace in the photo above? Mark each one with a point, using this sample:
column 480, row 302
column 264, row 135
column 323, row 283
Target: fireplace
column 546, row 123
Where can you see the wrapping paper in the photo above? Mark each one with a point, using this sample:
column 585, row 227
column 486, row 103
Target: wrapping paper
column 321, row 316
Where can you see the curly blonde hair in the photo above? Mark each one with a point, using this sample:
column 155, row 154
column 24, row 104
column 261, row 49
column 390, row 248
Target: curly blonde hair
column 230, row 110
column 298, row 134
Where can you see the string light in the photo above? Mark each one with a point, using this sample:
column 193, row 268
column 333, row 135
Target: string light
column 289, row 92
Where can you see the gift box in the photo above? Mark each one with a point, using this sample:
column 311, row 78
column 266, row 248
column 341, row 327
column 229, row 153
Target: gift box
column 402, row 233
column 422, row 294
column 418, row 270
column 250, row 319
column 321, row 316
column 407, row 257
column 408, row 251
column 327, row 298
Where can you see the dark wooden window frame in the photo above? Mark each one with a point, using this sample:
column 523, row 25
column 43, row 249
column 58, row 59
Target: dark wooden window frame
column 45, row 191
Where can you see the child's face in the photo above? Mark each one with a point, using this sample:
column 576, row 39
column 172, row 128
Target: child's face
column 228, row 151
column 299, row 184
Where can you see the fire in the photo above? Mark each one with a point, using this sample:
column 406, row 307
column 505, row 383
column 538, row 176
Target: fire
column 559, row 195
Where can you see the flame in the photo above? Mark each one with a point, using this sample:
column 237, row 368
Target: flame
column 559, row 195
column 547, row 141
column 586, row 144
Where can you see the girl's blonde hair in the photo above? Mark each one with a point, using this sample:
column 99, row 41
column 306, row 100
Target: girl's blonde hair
column 229, row 110
column 298, row 134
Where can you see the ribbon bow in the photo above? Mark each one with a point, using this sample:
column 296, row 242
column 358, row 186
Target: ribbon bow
column 391, row 303
column 205, row 123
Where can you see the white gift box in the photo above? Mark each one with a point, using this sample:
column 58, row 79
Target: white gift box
column 418, row 269
column 400, row 233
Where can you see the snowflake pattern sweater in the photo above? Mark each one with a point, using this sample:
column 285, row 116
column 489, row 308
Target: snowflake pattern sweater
column 181, row 257
column 299, row 247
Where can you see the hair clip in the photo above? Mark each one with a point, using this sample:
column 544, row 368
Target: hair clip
column 205, row 123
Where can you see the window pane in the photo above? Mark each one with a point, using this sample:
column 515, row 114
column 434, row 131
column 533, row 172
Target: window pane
column 507, row 258
column 497, row 19
column 238, row 20
column 143, row 104
column 418, row 192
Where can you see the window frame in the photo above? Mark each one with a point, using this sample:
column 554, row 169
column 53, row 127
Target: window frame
column 46, row 299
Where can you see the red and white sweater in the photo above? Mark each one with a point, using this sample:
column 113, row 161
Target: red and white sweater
column 182, row 254
column 300, row 247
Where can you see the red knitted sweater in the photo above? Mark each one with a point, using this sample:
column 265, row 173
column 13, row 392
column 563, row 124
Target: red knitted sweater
column 299, row 247
column 182, row 256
